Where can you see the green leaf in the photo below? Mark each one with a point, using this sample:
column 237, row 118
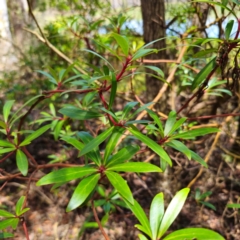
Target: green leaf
column 94, row 154
column 170, row 122
column 173, row 210
column 197, row 158
column 16, row 116
column 141, row 53
column 5, row 150
column 141, row 216
column 98, row 55
column 113, row 91
column 120, row 185
column 74, row 142
column 156, row 214
column 5, row 235
column 142, row 237
column 201, row 76
column 3, row 124
column 205, row 52
column 19, row 205
column 156, row 69
column 194, row 233
column 143, row 107
column 209, row 205
column 112, row 142
column 24, row 210
column 141, row 228
column 4, row 213
column 180, row 147
column 96, row 141
column 137, row 122
column 127, row 108
column 123, row 155
column 35, row 134
column 157, row 120
column 195, row 133
column 4, row 143
column 49, row 76
column 10, row 222
column 79, row 114
column 233, row 205
column 6, row 109
column 151, row 144
column 58, row 129
column 138, row 167
column 224, row 2
column 22, row 162
column 66, row 175
column 122, row 42
column 176, row 125
column 82, row 191
column 228, row 29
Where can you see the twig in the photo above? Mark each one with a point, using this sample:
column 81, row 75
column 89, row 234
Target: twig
column 98, row 222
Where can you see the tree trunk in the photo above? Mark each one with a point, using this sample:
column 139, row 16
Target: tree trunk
column 7, row 57
column 153, row 13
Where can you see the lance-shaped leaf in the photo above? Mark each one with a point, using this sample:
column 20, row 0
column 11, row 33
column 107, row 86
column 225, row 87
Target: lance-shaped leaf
column 156, row 69
column 82, row 191
column 19, row 205
column 141, row 216
column 10, row 222
column 22, row 162
column 228, row 29
column 157, row 120
column 94, row 154
column 79, row 114
column 66, row 175
column 230, row 205
column 4, row 143
column 180, row 147
column 138, row 167
column 4, row 213
column 74, row 142
column 49, row 76
column 5, row 150
column 6, row 109
column 122, row 42
column 173, row 210
column 176, row 125
column 123, row 155
column 127, row 108
column 35, row 134
column 170, row 122
column 197, row 158
column 194, row 233
column 142, row 52
column 104, row 59
column 156, row 214
column 142, row 237
column 201, row 76
column 96, row 141
column 195, row 133
column 151, row 144
column 120, row 185
column 5, row 235
column 112, row 142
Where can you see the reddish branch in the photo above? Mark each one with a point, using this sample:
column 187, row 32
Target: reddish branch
column 98, row 222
